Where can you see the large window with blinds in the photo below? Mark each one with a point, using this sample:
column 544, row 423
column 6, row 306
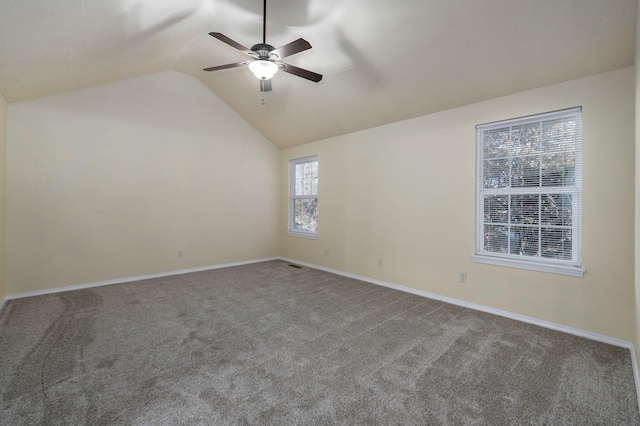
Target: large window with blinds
column 529, row 192
column 303, row 197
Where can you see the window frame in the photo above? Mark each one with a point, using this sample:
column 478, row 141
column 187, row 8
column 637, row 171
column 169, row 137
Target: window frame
column 293, row 197
column 571, row 267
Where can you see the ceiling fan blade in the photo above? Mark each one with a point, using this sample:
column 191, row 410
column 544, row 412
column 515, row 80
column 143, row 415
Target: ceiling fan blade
column 309, row 75
column 223, row 38
column 222, row 67
column 265, row 85
column 292, row 48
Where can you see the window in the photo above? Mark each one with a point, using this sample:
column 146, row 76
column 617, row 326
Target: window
column 528, row 192
column 303, row 194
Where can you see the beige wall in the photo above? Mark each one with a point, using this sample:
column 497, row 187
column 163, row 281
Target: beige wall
column 3, row 180
column 111, row 181
column 405, row 193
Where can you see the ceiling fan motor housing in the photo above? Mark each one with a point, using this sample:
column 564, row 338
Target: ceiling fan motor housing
column 264, row 50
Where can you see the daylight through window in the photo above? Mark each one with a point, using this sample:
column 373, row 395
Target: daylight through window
column 529, row 189
column 304, row 197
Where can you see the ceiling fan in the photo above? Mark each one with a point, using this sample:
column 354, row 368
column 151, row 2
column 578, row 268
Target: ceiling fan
column 266, row 58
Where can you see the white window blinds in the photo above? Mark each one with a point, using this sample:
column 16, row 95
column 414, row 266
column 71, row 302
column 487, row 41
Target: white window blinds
column 529, row 189
column 303, row 193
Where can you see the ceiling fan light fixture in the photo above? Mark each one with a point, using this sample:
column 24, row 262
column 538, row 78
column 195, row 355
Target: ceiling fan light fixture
column 263, row 69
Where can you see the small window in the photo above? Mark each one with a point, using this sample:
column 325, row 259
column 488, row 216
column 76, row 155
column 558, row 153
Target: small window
column 529, row 191
column 303, row 197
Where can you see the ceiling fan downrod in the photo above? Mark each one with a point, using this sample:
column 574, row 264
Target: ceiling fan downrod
column 264, row 23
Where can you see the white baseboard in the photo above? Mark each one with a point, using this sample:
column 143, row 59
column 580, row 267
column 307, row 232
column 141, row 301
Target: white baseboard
column 476, row 307
column 506, row 314
column 130, row 279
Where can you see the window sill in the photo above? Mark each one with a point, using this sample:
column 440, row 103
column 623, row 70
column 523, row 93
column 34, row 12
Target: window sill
column 573, row 271
column 302, row 235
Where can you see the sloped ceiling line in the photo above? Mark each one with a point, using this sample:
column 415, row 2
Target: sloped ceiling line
column 382, row 61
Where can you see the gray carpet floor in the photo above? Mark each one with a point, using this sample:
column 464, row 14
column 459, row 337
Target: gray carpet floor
column 268, row 343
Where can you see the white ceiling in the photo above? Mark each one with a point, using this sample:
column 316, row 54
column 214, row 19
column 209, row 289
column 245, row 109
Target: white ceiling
column 382, row 60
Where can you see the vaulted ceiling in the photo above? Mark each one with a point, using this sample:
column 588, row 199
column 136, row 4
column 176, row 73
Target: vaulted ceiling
column 382, row 60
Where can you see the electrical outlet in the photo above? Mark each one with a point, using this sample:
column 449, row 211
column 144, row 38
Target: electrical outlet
column 180, row 254
column 326, row 252
column 462, row 277
column 380, row 263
